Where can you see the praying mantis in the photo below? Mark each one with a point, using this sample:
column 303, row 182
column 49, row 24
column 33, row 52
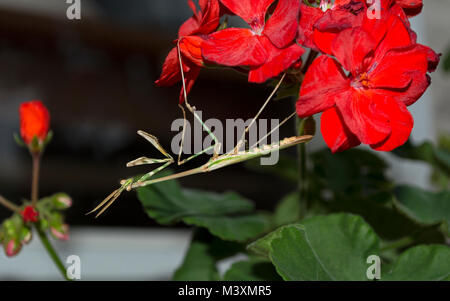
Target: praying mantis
column 217, row 161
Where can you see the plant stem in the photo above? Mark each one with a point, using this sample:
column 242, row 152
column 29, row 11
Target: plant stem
column 42, row 235
column 302, row 180
column 398, row 244
column 9, row 205
column 51, row 252
column 35, row 178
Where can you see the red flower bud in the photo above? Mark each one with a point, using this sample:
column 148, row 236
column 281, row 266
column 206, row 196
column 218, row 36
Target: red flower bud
column 34, row 121
column 12, row 248
column 29, row 214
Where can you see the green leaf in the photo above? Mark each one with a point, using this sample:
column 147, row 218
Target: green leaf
column 235, row 228
column 354, row 172
column 333, row 247
column 424, row 207
column 253, row 269
column 287, row 210
column 421, row 263
column 200, row 262
column 227, row 215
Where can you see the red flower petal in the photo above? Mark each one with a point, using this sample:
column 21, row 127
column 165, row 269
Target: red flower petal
column 34, row 121
column 170, row 74
column 335, row 133
column 323, row 82
column 190, row 78
column 335, row 21
column 281, row 28
column 204, row 21
column 395, row 70
column 409, row 95
column 308, row 17
column 278, row 61
column 397, row 35
column 252, row 11
column 188, row 27
column 411, row 7
column 401, row 123
column 362, row 114
column 234, row 47
column 191, row 48
column 351, row 47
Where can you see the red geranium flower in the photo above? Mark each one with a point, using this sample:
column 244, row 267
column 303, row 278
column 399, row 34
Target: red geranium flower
column 268, row 48
column 34, row 121
column 190, row 39
column 29, row 214
column 387, row 72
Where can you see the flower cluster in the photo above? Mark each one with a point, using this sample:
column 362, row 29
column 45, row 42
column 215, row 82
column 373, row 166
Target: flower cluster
column 44, row 214
column 369, row 66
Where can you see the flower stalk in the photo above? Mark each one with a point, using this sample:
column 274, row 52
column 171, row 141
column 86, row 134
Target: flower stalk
column 42, row 235
column 302, row 176
column 35, row 178
column 9, row 205
column 51, row 251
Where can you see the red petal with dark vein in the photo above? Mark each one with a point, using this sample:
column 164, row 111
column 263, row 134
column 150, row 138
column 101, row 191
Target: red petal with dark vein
column 234, row 47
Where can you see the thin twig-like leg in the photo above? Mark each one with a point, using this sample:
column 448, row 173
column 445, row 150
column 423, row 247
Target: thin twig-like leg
column 217, row 145
column 241, row 141
column 276, row 128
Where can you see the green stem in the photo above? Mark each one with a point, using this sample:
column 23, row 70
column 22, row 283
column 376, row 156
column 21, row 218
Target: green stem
column 302, row 177
column 51, row 252
column 42, row 235
column 404, row 242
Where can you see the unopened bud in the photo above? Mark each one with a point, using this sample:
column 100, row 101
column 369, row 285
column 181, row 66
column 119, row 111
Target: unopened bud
column 25, row 235
column 60, row 232
column 12, row 247
column 62, row 201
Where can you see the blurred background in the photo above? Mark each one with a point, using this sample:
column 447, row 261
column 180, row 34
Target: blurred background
column 96, row 75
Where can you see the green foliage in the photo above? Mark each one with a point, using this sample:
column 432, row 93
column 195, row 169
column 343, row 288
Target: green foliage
column 253, row 269
column 227, row 215
column 405, row 226
column 421, row 263
column 336, row 247
column 200, row 262
column 287, row 210
column 424, row 207
column 331, row 247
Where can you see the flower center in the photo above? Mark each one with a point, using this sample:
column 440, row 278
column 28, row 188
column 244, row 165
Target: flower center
column 361, row 82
